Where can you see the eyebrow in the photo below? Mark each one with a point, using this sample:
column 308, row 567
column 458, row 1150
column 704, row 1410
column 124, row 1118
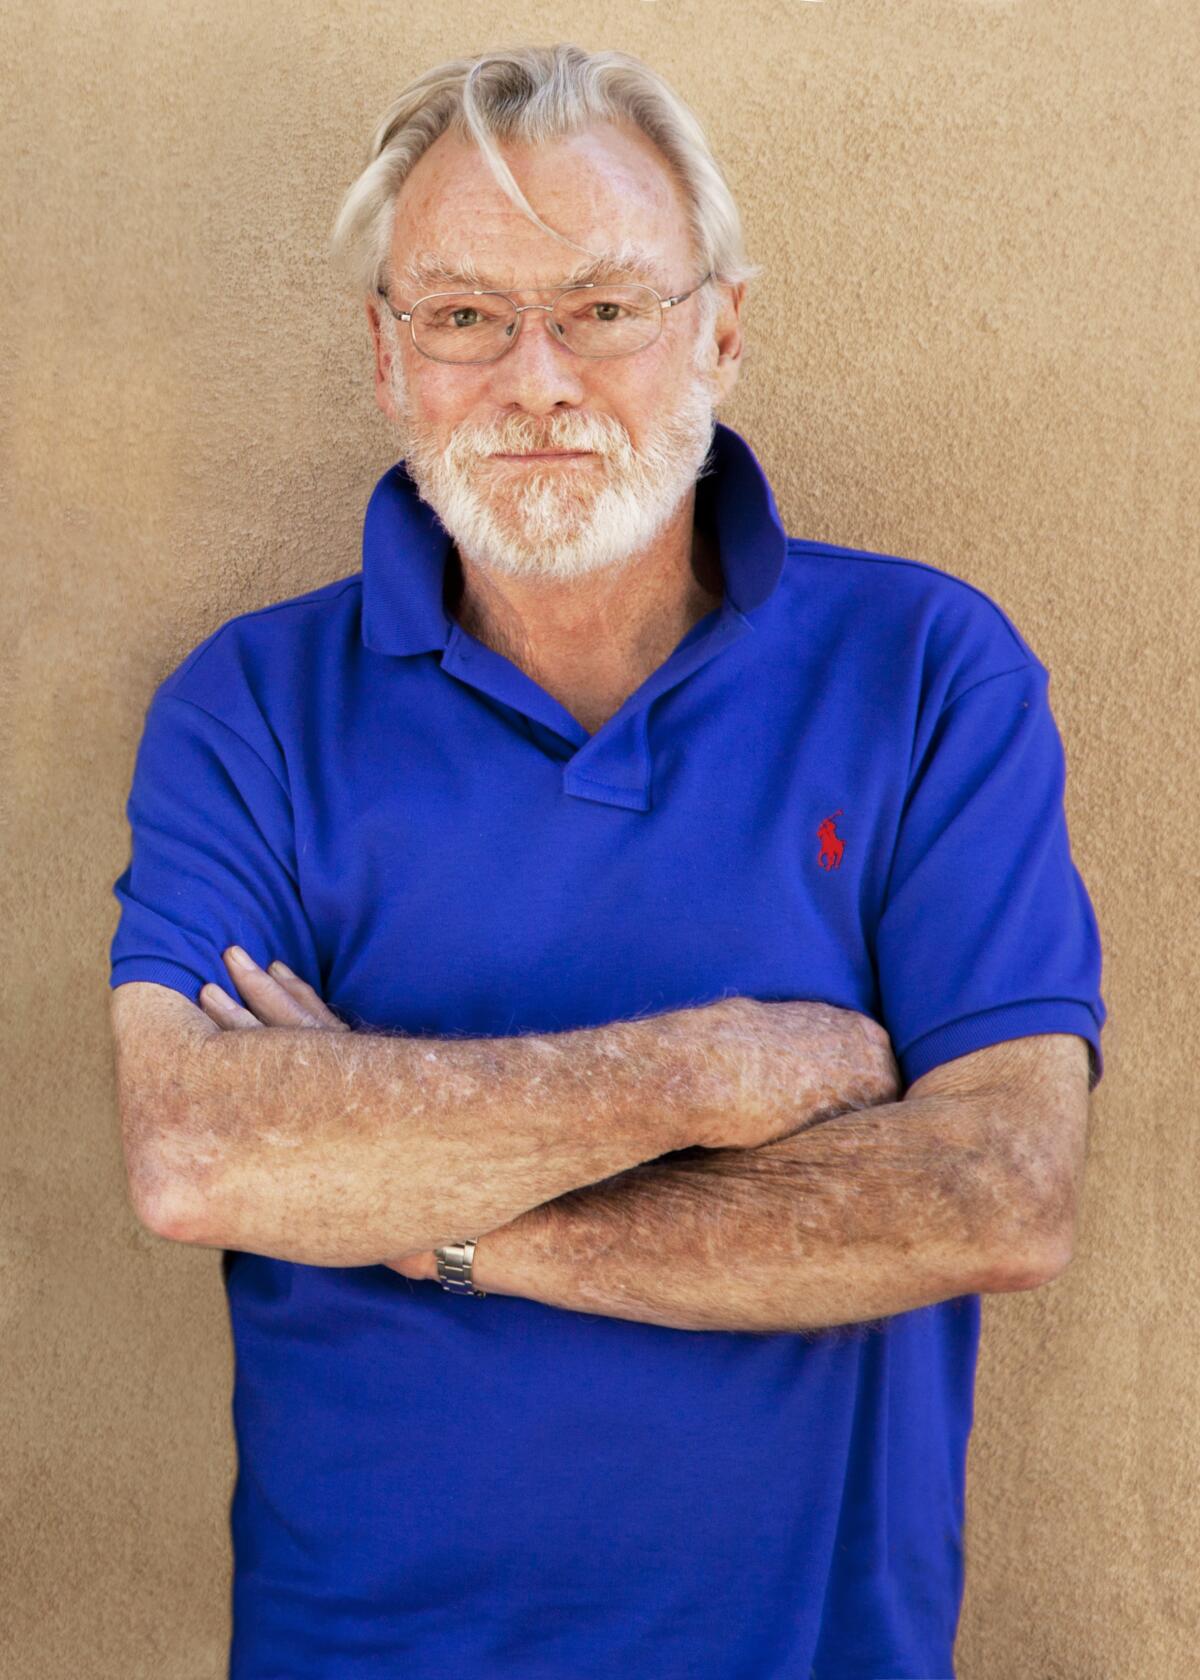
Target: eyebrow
column 628, row 261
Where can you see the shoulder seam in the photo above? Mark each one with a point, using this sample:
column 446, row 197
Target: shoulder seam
column 1029, row 665
column 804, row 544
column 182, row 700
column 306, row 598
column 336, row 586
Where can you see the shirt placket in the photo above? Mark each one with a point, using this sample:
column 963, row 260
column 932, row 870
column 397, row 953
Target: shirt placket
column 612, row 766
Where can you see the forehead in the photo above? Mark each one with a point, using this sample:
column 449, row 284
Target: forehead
column 608, row 188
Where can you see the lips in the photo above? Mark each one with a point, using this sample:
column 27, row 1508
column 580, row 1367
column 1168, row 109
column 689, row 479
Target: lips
column 542, row 455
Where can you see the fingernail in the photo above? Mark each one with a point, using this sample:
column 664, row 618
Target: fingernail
column 278, row 967
column 239, row 958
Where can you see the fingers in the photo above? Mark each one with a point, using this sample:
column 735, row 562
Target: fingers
column 222, row 1009
column 267, row 1001
column 307, row 997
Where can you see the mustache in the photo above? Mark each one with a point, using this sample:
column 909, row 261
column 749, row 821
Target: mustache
column 525, row 443
column 469, row 445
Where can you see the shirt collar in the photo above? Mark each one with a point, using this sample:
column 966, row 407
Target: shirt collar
column 406, row 546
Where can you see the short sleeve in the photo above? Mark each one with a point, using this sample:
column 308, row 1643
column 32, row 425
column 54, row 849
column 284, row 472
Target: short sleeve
column 212, row 858
column 986, row 931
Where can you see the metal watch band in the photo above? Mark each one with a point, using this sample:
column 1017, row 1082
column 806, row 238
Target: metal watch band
column 454, row 1267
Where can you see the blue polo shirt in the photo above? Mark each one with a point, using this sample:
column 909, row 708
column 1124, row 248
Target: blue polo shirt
column 845, row 783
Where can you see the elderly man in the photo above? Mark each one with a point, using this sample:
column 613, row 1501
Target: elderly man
column 679, row 989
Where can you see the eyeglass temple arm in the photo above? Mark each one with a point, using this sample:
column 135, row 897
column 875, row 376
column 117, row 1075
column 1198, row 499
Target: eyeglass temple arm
column 681, row 297
column 400, row 314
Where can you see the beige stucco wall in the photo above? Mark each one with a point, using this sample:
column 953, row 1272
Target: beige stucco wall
column 975, row 344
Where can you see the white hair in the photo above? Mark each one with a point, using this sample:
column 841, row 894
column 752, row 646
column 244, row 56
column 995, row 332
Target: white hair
column 536, row 94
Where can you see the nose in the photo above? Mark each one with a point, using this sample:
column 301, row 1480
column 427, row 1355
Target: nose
column 537, row 372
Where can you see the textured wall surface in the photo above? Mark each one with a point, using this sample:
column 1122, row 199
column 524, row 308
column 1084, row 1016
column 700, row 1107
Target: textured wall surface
column 975, row 344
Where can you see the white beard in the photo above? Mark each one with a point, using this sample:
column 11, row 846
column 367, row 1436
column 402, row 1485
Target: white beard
column 561, row 521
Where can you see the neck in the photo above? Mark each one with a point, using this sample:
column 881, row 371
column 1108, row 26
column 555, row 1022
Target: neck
column 602, row 627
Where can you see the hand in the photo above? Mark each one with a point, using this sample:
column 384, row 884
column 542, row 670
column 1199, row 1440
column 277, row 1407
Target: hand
column 279, row 998
column 276, row 998
column 782, row 1067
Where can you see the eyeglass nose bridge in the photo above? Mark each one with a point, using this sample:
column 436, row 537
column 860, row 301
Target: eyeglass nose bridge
column 554, row 325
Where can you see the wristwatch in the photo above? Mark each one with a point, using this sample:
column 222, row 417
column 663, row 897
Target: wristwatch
column 454, row 1267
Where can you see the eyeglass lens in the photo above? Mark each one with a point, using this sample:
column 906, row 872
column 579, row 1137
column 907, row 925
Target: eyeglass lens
column 592, row 321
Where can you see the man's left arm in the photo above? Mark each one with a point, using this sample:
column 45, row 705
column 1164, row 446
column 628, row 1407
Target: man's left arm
column 970, row 1184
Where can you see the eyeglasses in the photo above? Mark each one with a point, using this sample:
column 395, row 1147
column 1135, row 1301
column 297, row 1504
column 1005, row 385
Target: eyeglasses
column 597, row 319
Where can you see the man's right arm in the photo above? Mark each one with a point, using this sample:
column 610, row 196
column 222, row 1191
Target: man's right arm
column 346, row 1149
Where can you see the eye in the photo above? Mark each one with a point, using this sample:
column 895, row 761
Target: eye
column 598, row 311
column 445, row 317
column 453, row 317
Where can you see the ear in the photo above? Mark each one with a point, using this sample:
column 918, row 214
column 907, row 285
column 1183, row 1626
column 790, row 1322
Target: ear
column 383, row 359
column 727, row 330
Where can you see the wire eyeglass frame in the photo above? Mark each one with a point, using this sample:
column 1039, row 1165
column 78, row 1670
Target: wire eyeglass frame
column 522, row 309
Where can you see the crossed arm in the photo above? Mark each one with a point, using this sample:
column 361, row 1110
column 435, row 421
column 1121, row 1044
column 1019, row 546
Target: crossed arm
column 870, row 1213
column 859, row 1217
column 969, row 1184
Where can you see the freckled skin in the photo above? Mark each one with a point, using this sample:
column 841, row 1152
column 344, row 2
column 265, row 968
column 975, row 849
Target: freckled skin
column 331, row 1147
column 968, row 1185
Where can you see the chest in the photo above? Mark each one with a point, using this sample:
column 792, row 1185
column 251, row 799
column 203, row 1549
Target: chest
column 454, row 885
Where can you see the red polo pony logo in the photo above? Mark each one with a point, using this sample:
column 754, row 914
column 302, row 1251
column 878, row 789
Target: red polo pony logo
column 831, row 847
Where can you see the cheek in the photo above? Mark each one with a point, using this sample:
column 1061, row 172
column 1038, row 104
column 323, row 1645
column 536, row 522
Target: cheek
column 639, row 389
column 669, row 369
column 653, row 394
column 430, row 396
